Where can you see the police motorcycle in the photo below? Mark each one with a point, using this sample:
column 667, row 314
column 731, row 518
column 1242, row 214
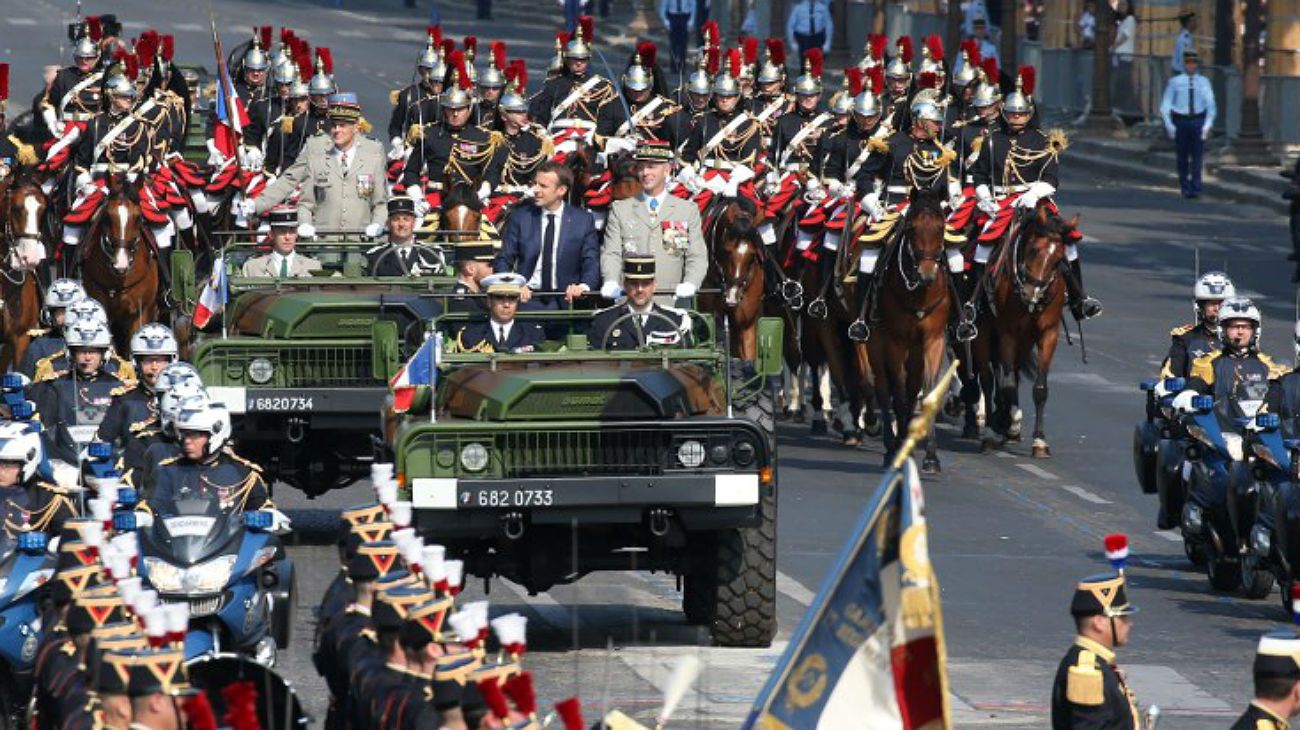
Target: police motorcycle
column 230, row 567
column 1220, row 507
column 26, row 564
column 1274, row 543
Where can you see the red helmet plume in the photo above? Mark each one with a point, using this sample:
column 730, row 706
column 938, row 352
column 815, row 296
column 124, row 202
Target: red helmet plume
column 498, row 50
column 876, row 75
column 517, row 72
column 855, row 77
column 972, row 50
column 435, row 32
column 303, row 59
column 588, row 26
column 713, row 60
column 712, row 36
column 1028, row 77
column 990, row 66
column 4, row 81
column 285, row 35
column 734, row 62
column 471, row 44
column 648, row 52
column 877, row 42
column 448, row 45
column 934, row 44
column 168, row 48
column 264, row 34
column 326, row 59
column 905, row 48
column 776, row 51
column 749, row 47
column 816, row 61
column 95, row 28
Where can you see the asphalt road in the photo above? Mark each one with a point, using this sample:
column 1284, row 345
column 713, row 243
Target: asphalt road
column 1009, row 534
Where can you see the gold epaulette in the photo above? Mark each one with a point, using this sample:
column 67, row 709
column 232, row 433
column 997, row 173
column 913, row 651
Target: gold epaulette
column 1181, row 330
column 286, row 124
column 394, row 96
column 1203, row 366
column 241, row 460
column 37, row 332
column 1058, row 141
column 415, row 133
column 946, row 157
column 1085, row 685
column 1275, row 370
column 125, row 370
column 495, row 139
column 45, row 368
column 548, row 145
column 122, row 389
column 878, row 144
column 976, row 145
column 26, row 153
column 483, row 347
column 364, row 126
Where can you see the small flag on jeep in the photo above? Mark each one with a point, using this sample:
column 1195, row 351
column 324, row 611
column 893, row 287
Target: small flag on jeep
column 212, row 301
column 421, row 369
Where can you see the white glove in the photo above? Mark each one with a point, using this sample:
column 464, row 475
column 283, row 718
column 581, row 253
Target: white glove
column 52, row 122
column 1205, row 133
column 684, row 290
column 373, row 230
column 143, row 520
column 611, row 290
column 215, row 158
column 955, row 197
column 985, row 201
column 848, row 191
column 85, row 185
column 742, row 173
column 251, row 158
column 1027, row 200
column 306, row 230
column 834, row 188
column 871, row 204
column 396, row 149
column 815, row 195
column 614, row 145
column 280, row 523
column 421, row 202
column 1042, row 189
column 484, row 190
column 247, row 207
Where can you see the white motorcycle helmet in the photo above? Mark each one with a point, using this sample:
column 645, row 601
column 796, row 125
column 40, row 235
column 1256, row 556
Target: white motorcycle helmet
column 62, row 294
column 85, row 308
column 88, row 333
column 181, row 395
column 20, row 443
column 212, row 419
column 154, row 339
column 1240, row 308
column 175, row 374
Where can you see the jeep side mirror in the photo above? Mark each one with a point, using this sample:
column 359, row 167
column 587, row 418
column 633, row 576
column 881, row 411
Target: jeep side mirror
column 770, row 346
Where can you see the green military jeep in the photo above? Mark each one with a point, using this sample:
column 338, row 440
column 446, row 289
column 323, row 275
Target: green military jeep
column 304, row 363
column 660, row 459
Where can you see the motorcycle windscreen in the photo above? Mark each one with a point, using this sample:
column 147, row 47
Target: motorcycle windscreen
column 190, row 531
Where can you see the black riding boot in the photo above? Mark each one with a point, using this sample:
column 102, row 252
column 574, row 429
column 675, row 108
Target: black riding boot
column 166, row 298
column 1082, row 306
column 859, row 329
column 70, row 262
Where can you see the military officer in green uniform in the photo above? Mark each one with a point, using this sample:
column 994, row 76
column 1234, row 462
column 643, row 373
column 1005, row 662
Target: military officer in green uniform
column 1277, row 684
column 1090, row 691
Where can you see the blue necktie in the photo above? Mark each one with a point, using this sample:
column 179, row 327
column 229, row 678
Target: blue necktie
column 812, row 28
column 1191, row 94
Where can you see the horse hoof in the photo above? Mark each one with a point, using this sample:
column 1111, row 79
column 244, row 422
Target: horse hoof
column 818, row 428
column 853, row 438
column 970, row 431
column 1041, row 450
column 990, row 444
column 930, row 466
column 953, row 408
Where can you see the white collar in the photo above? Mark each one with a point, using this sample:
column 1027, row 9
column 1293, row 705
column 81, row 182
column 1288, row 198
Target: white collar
column 409, row 243
column 661, row 197
column 558, row 212
column 498, row 326
column 648, row 308
column 342, row 152
column 277, row 256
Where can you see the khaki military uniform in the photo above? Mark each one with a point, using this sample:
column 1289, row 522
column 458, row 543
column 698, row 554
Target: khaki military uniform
column 674, row 236
column 334, row 196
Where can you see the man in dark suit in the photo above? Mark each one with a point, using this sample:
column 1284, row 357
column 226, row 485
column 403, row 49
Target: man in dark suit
column 403, row 255
column 501, row 333
column 554, row 246
column 638, row 321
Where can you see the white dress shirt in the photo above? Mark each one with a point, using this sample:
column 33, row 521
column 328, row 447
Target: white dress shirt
column 535, row 281
column 345, row 156
column 501, row 330
column 277, row 258
column 1179, row 99
column 658, row 208
column 810, row 15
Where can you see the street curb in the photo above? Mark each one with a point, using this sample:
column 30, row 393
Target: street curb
column 1157, row 169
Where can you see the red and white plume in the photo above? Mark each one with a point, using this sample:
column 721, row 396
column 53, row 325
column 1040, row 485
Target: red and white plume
column 816, row 61
column 905, row 48
column 734, row 62
column 1028, row 77
column 855, row 78
column 934, row 44
column 749, row 48
column 587, row 24
column 712, row 36
column 1116, row 545
column 512, row 632
column 498, row 50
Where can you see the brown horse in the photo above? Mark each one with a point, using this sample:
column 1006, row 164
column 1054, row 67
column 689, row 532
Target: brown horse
column 119, row 265
column 736, row 269
column 462, row 214
column 907, row 349
column 22, row 248
column 1020, row 326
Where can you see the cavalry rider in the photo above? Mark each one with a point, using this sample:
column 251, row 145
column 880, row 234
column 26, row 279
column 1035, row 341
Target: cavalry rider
column 898, row 85
column 261, row 104
column 770, row 101
column 914, row 161
column 986, row 103
column 795, row 139
column 1192, row 341
column 578, row 103
column 1237, row 363
column 965, row 82
column 416, row 106
column 453, row 151
column 1017, row 167
column 48, row 340
column 26, row 501
column 698, row 90
column 489, row 87
column 207, row 468
column 132, row 418
column 651, row 324
column 115, row 142
column 73, row 99
column 654, row 115
column 526, row 144
column 289, row 132
column 80, row 397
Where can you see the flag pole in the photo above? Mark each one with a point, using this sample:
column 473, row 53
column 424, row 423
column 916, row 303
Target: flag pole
column 924, row 421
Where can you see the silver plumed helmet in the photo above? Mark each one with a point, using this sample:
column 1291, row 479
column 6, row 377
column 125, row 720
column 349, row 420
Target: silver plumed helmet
column 1021, row 101
column 321, row 84
column 119, row 84
column 578, row 46
column 429, row 57
column 492, row 78
column 968, row 73
column 842, row 101
column 866, row 104
column 724, row 84
column 513, row 100
column 897, row 68
column 286, row 72
column 927, row 105
column 255, row 58
column 85, row 48
column 455, row 97
column 298, row 89
column 637, row 78
column 700, row 81
column 808, row 83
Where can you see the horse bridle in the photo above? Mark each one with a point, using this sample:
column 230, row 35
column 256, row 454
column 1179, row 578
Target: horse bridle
column 9, row 238
column 104, row 240
column 754, row 264
column 909, row 251
column 1022, row 277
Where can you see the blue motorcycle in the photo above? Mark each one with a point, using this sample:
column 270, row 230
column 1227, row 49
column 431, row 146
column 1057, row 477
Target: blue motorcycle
column 231, row 570
column 1158, row 445
column 25, row 565
column 1274, row 543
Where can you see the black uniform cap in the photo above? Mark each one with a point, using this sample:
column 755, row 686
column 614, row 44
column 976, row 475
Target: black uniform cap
column 1101, row 595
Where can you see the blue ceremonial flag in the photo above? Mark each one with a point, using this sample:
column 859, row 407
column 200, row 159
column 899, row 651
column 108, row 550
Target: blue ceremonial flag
column 869, row 653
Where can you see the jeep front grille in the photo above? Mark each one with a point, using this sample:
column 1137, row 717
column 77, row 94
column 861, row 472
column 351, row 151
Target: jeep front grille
column 633, row 452
column 309, row 364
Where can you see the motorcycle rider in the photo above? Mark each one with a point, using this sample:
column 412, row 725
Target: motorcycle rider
column 1191, row 341
column 49, row 339
column 57, row 363
column 206, row 467
column 178, row 389
column 76, row 401
column 27, row 502
column 132, row 418
column 1238, row 362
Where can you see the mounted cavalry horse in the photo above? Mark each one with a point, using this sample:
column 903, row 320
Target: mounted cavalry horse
column 1021, row 302
column 907, row 349
column 24, row 232
column 736, row 254
column 119, row 262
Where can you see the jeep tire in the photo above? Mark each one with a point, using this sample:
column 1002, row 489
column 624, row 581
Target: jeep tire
column 744, row 583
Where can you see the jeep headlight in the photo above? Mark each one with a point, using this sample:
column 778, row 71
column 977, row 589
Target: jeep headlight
column 261, row 370
column 691, row 454
column 474, row 457
column 744, row 453
column 164, row 576
column 211, row 576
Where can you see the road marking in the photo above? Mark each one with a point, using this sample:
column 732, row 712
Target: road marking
column 794, row 590
column 1084, row 494
column 1167, row 535
column 349, row 33
column 21, row 21
column 1004, row 455
column 1037, row 471
column 189, row 27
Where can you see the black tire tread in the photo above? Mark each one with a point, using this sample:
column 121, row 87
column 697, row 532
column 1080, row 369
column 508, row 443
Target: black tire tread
column 744, row 611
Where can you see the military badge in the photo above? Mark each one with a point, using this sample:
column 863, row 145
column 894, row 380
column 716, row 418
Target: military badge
column 365, row 185
column 675, row 237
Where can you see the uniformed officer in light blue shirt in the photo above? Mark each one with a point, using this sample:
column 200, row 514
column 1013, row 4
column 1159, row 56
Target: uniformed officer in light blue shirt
column 678, row 17
column 1188, row 112
column 810, row 26
column 1184, row 42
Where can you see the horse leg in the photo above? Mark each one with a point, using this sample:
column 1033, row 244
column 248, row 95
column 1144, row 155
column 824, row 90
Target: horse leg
column 933, row 359
column 1046, row 349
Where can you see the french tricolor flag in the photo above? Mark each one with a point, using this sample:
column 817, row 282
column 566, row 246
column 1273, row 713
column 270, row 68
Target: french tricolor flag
column 231, row 116
column 212, row 301
column 421, row 369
